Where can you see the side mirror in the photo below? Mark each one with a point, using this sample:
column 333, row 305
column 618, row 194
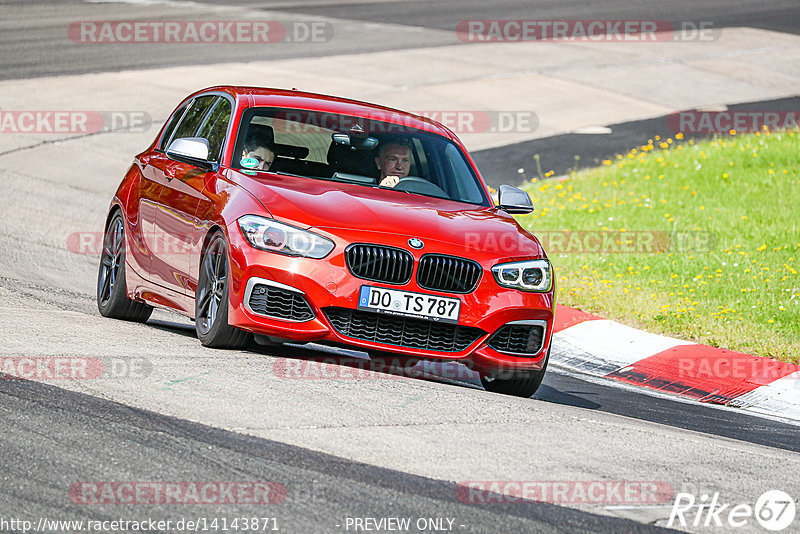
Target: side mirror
column 514, row 200
column 191, row 150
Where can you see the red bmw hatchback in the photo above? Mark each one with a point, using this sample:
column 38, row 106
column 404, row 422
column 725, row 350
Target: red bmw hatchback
column 297, row 217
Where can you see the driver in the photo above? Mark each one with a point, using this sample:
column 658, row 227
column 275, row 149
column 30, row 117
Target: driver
column 393, row 162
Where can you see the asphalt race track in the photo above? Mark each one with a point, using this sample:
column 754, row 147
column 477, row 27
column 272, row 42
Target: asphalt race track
column 337, row 448
column 323, row 489
column 36, row 45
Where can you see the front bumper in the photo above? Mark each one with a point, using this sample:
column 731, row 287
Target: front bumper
column 327, row 284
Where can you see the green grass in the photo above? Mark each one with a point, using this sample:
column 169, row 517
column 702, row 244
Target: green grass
column 724, row 213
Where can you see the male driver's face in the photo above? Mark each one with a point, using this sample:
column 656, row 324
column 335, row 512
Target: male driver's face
column 395, row 161
column 263, row 155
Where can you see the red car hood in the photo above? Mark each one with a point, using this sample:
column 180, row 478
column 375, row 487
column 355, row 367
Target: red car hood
column 314, row 203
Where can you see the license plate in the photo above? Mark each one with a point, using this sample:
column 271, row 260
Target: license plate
column 409, row 304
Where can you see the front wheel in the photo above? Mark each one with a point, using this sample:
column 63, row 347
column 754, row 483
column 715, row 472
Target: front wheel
column 211, row 300
column 112, row 291
column 518, row 384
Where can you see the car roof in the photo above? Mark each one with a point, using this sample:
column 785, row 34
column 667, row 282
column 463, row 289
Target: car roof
column 294, row 99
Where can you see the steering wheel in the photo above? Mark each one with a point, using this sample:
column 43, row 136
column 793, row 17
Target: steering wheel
column 415, row 184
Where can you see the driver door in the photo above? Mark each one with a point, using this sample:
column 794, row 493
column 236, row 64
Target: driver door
column 178, row 196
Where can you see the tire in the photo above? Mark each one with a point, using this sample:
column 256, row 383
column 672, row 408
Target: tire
column 112, row 290
column 520, row 384
column 211, row 300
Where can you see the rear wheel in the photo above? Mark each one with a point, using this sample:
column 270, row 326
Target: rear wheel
column 519, row 384
column 211, row 300
column 112, row 291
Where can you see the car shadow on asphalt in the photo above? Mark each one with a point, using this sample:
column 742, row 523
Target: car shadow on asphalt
column 548, row 393
column 186, row 330
column 323, row 361
column 313, row 360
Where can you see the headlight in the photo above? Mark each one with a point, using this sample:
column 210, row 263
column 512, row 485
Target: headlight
column 533, row 275
column 267, row 234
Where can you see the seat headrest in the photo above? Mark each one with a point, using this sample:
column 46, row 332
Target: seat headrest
column 262, row 133
column 348, row 160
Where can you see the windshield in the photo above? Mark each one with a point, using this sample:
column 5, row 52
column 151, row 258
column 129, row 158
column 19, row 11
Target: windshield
column 355, row 150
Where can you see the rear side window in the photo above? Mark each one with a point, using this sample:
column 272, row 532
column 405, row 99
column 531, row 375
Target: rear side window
column 194, row 117
column 216, row 127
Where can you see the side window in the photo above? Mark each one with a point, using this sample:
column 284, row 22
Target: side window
column 459, row 173
column 194, row 117
column 215, row 128
column 420, row 167
column 173, row 122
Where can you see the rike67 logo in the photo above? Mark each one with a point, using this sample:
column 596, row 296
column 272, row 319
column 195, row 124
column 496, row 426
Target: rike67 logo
column 774, row 511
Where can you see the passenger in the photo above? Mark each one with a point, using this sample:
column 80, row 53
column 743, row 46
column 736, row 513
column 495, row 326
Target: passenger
column 393, row 162
column 261, row 151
